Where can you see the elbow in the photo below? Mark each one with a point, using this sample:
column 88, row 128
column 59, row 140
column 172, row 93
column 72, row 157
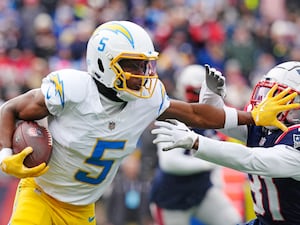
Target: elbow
column 7, row 108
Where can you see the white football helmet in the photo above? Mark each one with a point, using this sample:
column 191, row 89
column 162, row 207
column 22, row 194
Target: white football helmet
column 189, row 83
column 285, row 75
column 122, row 41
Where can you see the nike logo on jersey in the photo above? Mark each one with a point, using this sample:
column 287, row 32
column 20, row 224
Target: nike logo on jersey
column 91, row 219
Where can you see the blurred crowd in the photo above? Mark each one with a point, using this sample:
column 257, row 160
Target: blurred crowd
column 241, row 38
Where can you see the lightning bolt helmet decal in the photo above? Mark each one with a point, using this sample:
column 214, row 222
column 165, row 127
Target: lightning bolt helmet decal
column 117, row 28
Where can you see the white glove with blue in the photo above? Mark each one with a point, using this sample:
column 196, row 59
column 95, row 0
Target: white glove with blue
column 177, row 134
column 215, row 81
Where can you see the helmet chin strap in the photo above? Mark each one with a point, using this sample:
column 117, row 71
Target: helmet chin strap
column 108, row 92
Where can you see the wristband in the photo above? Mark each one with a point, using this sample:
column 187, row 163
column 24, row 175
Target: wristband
column 231, row 117
column 5, row 152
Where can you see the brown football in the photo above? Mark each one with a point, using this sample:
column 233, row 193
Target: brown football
column 30, row 133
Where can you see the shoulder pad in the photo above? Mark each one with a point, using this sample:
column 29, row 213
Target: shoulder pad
column 70, row 85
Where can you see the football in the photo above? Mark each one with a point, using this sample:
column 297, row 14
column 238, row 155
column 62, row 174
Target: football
column 30, row 133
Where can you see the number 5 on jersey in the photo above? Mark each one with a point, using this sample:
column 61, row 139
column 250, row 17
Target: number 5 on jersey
column 97, row 159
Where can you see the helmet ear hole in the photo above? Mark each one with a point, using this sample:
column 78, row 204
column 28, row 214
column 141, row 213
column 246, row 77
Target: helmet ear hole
column 100, row 65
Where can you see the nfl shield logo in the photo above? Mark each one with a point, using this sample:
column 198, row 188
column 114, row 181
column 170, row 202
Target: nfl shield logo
column 111, row 125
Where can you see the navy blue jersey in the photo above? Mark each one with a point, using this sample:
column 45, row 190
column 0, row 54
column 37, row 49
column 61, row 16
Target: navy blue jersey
column 276, row 200
column 179, row 192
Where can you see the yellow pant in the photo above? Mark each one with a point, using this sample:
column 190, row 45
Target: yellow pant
column 34, row 207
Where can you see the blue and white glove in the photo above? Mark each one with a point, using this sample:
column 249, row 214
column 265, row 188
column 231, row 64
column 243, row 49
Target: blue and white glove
column 175, row 133
column 215, row 81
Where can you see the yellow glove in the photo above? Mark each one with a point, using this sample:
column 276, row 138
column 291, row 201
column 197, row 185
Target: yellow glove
column 265, row 113
column 13, row 165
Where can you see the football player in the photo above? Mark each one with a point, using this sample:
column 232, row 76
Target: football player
column 271, row 158
column 197, row 189
column 95, row 118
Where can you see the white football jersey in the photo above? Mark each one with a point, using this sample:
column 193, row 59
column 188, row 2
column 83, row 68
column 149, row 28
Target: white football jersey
column 89, row 144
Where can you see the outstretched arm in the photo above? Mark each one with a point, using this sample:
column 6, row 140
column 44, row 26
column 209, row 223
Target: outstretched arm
column 207, row 116
column 204, row 115
column 277, row 161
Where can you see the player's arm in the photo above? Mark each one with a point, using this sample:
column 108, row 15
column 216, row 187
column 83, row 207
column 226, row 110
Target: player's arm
column 204, row 115
column 278, row 161
column 28, row 106
column 207, row 116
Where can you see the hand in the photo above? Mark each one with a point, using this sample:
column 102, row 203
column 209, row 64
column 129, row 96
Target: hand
column 13, row 165
column 176, row 133
column 215, row 81
column 265, row 113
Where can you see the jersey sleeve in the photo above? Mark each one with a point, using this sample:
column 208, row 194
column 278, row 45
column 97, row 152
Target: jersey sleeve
column 61, row 89
column 279, row 161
